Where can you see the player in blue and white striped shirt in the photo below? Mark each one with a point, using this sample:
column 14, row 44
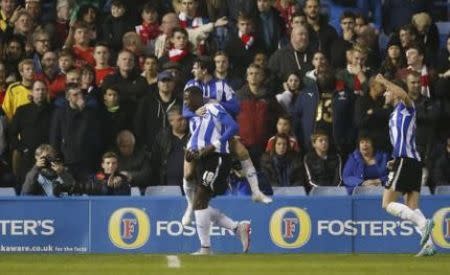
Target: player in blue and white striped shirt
column 218, row 91
column 406, row 167
column 209, row 146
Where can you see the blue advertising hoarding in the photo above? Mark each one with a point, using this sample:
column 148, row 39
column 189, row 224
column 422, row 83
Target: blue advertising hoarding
column 153, row 225
column 50, row 226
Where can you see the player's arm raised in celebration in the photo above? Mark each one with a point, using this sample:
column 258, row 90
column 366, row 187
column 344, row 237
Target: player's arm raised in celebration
column 397, row 91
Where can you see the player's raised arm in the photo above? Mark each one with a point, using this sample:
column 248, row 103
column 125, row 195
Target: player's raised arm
column 397, row 91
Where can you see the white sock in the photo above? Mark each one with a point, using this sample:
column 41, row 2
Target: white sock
column 221, row 219
column 418, row 230
column 203, row 222
column 404, row 212
column 189, row 191
column 250, row 174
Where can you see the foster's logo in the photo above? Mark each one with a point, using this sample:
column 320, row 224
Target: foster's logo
column 129, row 228
column 290, row 227
column 441, row 231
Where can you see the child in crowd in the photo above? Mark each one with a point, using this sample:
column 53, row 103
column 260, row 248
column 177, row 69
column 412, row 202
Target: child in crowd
column 284, row 126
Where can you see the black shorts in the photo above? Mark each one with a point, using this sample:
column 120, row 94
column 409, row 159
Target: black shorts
column 213, row 171
column 406, row 175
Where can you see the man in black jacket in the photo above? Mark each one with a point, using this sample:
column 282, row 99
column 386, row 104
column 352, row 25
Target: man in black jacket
column 296, row 57
column 130, row 84
column 326, row 34
column 427, row 112
column 29, row 128
column 269, row 26
column 134, row 162
column 76, row 134
column 441, row 175
column 150, row 116
column 168, row 152
column 372, row 115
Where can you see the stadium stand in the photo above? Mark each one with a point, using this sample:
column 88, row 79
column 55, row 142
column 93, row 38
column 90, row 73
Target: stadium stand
column 289, row 191
column 7, row 192
column 321, row 191
column 160, row 190
column 135, row 191
column 368, row 190
column 442, row 190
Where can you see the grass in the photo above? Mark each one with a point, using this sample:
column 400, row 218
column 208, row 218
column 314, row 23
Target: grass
column 258, row 264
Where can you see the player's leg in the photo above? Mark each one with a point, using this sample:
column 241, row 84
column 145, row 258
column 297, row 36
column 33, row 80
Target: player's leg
column 249, row 170
column 189, row 190
column 405, row 178
column 241, row 229
column 400, row 210
column 203, row 219
column 428, row 249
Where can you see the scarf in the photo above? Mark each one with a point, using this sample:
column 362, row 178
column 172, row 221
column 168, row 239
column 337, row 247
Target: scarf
column 424, row 82
column 357, row 86
column 176, row 55
column 247, row 39
column 148, row 31
column 186, row 22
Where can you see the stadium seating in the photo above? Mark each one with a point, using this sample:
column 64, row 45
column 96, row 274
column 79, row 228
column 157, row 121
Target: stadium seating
column 135, row 192
column 442, row 190
column 289, row 191
column 328, row 191
column 425, row 191
column 368, row 190
column 163, row 190
column 7, row 192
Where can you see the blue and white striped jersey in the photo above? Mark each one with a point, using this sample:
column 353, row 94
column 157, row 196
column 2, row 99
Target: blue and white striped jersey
column 215, row 90
column 216, row 127
column 402, row 131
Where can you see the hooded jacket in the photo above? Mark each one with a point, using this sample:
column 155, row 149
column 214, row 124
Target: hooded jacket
column 354, row 169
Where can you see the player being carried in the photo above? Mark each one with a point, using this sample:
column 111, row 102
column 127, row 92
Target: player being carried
column 406, row 167
column 209, row 147
column 220, row 92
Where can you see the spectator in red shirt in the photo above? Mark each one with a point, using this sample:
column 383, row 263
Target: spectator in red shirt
column 79, row 41
column 55, row 82
column 102, row 68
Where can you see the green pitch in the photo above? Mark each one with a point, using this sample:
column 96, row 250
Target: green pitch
column 224, row 264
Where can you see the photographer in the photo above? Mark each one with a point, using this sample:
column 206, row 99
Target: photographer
column 48, row 177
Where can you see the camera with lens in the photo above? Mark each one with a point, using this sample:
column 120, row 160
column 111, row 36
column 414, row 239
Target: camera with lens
column 49, row 159
column 47, row 170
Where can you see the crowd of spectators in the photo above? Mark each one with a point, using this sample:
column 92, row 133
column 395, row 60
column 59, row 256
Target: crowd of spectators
column 91, row 90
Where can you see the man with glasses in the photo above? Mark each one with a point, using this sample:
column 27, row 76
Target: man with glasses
column 41, row 44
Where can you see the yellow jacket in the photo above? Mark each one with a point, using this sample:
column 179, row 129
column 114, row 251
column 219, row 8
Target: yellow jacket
column 16, row 96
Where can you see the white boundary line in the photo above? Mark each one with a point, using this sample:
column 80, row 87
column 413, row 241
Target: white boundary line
column 173, row 261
